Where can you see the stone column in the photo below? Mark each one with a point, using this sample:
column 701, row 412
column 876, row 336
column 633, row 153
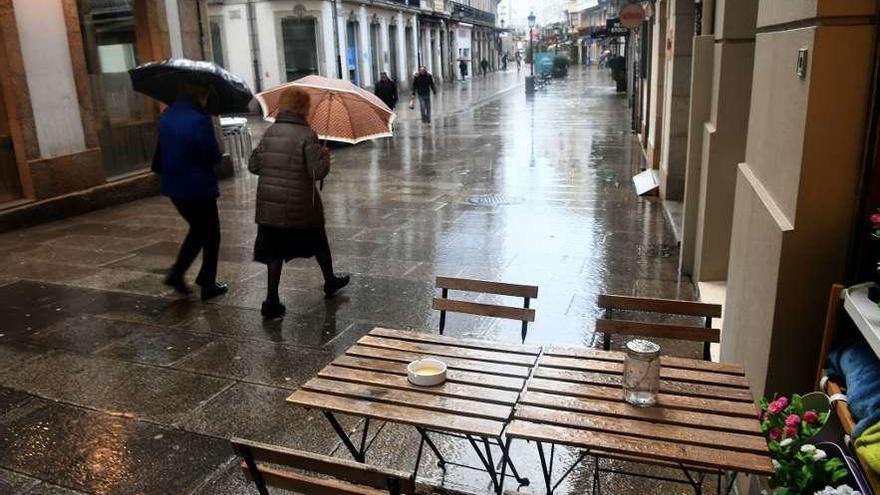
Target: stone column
column 400, row 46
column 796, row 190
column 385, row 56
column 365, row 57
column 676, row 98
column 437, row 63
column 453, row 53
column 655, row 105
column 328, row 45
column 414, row 43
column 342, row 31
column 722, row 138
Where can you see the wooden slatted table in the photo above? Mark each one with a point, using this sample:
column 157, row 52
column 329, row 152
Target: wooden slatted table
column 484, row 382
column 705, row 421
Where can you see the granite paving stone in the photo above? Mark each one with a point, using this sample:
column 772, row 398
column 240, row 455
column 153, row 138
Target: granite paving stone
column 112, row 384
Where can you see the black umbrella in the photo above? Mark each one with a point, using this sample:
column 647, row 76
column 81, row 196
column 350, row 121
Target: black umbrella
column 160, row 80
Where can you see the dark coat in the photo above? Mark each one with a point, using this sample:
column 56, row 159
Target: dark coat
column 387, row 92
column 423, row 84
column 289, row 162
column 189, row 151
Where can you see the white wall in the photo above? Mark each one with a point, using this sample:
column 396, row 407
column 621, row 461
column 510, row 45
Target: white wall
column 237, row 41
column 44, row 48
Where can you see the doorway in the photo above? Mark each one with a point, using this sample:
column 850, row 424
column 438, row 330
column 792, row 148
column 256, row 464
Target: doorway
column 375, row 52
column 300, row 47
column 392, row 43
column 10, row 181
column 351, row 52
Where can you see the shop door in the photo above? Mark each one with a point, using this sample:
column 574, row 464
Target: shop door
column 375, row 52
column 392, row 43
column 300, row 47
column 351, row 52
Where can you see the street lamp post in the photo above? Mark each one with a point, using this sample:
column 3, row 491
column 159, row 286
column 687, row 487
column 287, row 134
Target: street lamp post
column 530, row 80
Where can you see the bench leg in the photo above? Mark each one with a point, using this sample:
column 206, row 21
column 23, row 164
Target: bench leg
column 256, row 475
column 441, row 462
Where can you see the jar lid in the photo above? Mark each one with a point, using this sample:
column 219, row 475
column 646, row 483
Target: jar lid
column 643, row 348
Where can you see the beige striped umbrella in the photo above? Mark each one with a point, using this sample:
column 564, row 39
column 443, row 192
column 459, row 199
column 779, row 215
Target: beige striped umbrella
column 340, row 111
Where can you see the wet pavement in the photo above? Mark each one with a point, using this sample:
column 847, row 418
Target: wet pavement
column 110, row 384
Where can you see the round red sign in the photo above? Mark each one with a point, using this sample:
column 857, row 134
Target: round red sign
column 632, row 15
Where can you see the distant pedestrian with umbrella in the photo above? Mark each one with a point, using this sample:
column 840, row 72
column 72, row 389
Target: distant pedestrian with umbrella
column 187, row 153
column 290, row 214
column 386, row 90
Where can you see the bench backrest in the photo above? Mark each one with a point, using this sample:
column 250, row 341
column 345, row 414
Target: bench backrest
column 523, row 314
column 348, row 477
column 610, row 325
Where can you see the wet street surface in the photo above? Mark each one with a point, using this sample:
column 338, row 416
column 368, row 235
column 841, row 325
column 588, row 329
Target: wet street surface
column 112, row 384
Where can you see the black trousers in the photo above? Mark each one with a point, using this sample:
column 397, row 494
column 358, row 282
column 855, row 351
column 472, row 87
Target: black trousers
column 204, row 236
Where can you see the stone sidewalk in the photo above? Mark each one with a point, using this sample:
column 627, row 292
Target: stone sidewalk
column 110, row 384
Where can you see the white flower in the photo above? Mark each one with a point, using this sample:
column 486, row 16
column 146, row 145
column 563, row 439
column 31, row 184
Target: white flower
column 819, row 455
column 840, row 490
column 776, row 464
column 785, row 443
column 807, row 448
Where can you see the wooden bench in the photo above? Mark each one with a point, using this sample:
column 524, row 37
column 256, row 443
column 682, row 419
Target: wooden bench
column 342, row 477
column 609, row 325
column 523, row 314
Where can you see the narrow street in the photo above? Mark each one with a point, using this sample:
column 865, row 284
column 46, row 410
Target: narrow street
column 111, row 384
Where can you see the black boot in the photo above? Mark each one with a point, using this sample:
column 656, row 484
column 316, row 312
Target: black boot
column 176, row 281
column 213, row 290
column 332, row 286
column 272, row 310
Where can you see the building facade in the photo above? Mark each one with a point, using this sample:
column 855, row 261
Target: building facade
column 70, row 122
column 270, row 42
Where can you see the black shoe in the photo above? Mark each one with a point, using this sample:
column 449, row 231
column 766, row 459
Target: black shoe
column 272, row 310
column 213, row 290
column 331, row 287
column 177, row 283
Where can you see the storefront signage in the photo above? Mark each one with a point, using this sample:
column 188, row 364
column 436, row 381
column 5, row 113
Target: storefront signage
column 632, row 15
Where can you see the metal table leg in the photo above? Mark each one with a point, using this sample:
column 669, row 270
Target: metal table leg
column 359, row 453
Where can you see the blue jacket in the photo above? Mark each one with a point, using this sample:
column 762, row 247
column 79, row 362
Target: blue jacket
column 189, row 152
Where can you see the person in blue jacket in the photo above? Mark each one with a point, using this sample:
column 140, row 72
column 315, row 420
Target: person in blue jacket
column 189, row 151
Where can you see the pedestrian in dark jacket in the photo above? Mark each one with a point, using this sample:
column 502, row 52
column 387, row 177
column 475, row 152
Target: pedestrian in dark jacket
column 290, row 214
column 484, row 64
column 423, row 86
column 189, row 151
column 386, row 90
column 462, row 67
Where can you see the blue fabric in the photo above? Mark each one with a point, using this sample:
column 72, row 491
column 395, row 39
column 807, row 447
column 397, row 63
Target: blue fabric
column 855, row 364
column 189, row 152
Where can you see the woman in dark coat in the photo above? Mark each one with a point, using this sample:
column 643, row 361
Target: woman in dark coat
column 290, row 214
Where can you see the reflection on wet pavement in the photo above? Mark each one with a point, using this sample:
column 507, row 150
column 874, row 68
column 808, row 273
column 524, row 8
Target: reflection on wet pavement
column 110, row 384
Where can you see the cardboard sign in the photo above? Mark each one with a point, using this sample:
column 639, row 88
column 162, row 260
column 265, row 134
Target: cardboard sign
column 632, row 15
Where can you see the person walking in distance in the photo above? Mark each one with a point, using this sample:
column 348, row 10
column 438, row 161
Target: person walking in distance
column 518, row 61
column 290, row 214
column 386, row 90
column 188, row 151
column 423, row 86
column 462, row 67
column 484, row 64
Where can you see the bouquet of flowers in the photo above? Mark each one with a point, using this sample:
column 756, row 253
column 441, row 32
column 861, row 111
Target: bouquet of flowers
column 801, row 468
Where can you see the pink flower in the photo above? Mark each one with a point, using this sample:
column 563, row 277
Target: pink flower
column 811, row 416
column 776, row 406
column 875, row 218
column 793, row 420
column 790, row 431
column 774, row 434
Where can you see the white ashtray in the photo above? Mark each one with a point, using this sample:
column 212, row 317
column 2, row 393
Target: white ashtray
column 426, row 372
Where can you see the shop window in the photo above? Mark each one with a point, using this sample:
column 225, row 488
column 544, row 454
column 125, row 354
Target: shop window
column 300, row 47
column 126, row 120
column 217, row 43
column 351, row 52
column 375, row 51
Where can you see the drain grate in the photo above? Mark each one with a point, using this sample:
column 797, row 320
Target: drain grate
column 494, row 200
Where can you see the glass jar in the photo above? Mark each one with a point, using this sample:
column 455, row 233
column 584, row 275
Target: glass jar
column 641, row 373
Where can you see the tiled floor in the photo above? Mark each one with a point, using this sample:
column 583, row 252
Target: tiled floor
column 110, row 384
